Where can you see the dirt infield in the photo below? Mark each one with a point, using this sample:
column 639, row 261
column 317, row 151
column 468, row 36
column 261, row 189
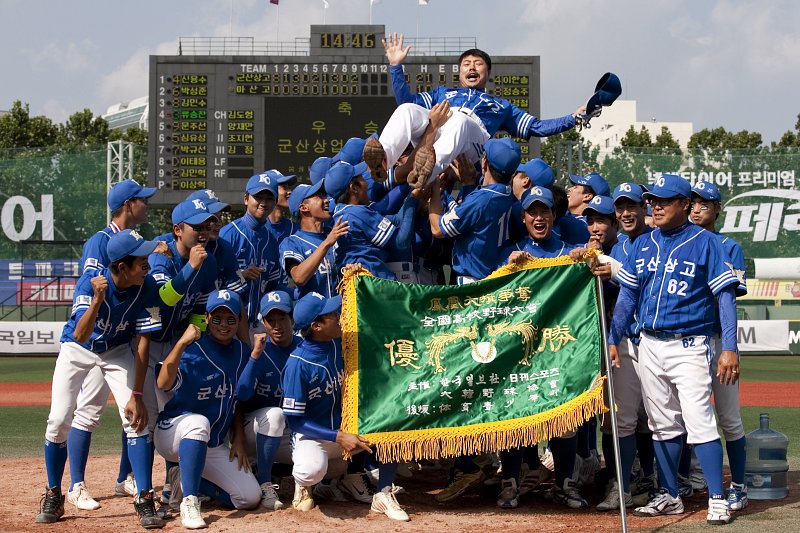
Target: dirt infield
column 751, row 393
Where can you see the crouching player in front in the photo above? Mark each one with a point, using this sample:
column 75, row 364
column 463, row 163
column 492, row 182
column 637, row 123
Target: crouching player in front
column 312, row 403
column 110, row 307
column 202, row 370
column 259, row 390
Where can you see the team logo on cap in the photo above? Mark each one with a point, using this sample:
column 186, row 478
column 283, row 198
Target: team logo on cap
column 224, row 294
column 211, row 194
column 625, row 187
column 537, row 191
column 317, row 295
column 274, row 297
column 263, row 178
column 135, row 235
column 596, row 200
column 198, row 204
column 701, row 185
column 660, row 181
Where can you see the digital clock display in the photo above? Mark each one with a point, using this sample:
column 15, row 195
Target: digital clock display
column 347, row 40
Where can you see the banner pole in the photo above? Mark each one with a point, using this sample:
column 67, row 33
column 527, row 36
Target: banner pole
column 612, row 404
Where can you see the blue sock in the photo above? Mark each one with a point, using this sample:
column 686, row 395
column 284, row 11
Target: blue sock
column 386, row 473
column 55, row 460
column 465, row 464
column 592, row 434
column 139, row 452
column 668, row 455
column 78, row 444
column 607, row 443
column 710, row 456
column 512, row 463
column 737, row 452
column 192, row 455
column 124, row 462
column 266, row 449
column 215, row 492
column 627, row 453
column 530, row 456
column 647, row 456
column 582, row 448
column 356, row 464
column 371, row 462
column 685, row 464
column 563, row 458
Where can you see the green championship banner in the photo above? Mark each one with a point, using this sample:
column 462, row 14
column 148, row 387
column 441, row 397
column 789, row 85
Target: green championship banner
column 434, row 371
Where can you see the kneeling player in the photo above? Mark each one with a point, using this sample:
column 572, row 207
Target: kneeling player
column 202, row 371
column 312, row 400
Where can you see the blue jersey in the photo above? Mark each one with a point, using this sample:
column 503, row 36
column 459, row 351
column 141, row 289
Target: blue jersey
column 480, row 229
column 198, row 285
column 572, row 229
column 367, row 241
column 494, row 113
column 261, row 381
column 620, row 251
column 297, row 248
column 124, row 313
column 734, row 257
column 676, row 275
column 254, row 244
column 312, row 383
column 283, row 228
column 228, row 275
column 208, row 373
column 95, row 254
column 552, row 247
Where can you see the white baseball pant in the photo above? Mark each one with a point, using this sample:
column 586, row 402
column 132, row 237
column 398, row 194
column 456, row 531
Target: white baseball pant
column 158, row 353
column 676, row 386
column 627, row 391
column 315, row 460
column 241, row 485
column 72, row 366
column 92, row 401
column 726, row 400
column 463, row 133
column 271, row 422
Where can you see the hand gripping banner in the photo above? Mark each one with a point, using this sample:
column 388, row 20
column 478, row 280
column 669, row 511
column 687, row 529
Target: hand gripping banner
column 434, row 371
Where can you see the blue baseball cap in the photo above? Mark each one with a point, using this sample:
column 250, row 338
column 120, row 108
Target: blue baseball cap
column 707, row 191
column 318, row 168
column 262, row 182
column 607, row 90
column 224, row 298
column 538, row 172
column 669, row 186
column 279, row 177
column 300, row 193
column 338, row 178
column 629, row 190
column 126, row 190
column 503, row 155
column 603, row 205
column 275, row 300
column 537, row 194
column 598, row 183
column 212, row 201
column 312, row 305
column 128, row 242
column 352, row 152
column 191, row 211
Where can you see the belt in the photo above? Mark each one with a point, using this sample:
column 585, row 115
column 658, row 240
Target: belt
column 471, row 114
column 664, row 335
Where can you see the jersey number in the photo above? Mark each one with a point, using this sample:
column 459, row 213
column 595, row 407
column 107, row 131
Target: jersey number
column 676, row 287
column 503, row 233
column 688, row 342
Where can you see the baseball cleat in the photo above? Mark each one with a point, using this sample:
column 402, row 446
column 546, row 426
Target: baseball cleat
column 586, row 468
column 737, row 497
column 269, row 497
column 424, row 161
column 384, row 501
column 190, row 513
column 329, row 490
column 375, row 157
column 51, row 506
column 460, row 482
column 79, row 497
column 685, row 487
column 644, row 491
column 302, row 500
column 358, row 487
column 125, row 488
column 509, row 496
column 612, row 499
column 569, row 495
column 145, row 507
column 661, row 504
column 718, row 511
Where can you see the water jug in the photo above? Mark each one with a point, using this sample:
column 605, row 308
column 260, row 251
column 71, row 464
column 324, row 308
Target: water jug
column 766, row 468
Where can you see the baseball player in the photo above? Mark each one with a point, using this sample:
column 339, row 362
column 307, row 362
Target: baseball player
column 255, row 245
column 312, row 404
column 369, row 234
column 128, row 203
column 567, row 227
column 112, row 308
column 476, row 116
column 281, row 225
column 309, row 255
column 202, row 372
column 669, row 281
column 582, row 190
column 706, row 207
column 260, row 391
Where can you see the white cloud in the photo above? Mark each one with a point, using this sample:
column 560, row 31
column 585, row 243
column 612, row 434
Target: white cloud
column 130, row 79
column 56, row 111
column 70, row 58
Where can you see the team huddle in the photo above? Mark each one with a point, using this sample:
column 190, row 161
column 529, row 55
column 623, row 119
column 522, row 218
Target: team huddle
column 221, row 344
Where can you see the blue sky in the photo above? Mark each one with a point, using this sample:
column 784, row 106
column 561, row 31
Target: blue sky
column 730, row 63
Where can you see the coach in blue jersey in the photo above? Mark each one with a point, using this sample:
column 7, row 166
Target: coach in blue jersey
column 260, row 391
column 669, row 281
column 254, row 243
column 476, row 116
column 309, row 255
column 202, row 372
column 706, row 207
column 112, row 310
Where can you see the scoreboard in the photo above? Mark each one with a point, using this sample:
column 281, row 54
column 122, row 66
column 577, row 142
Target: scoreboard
column 217, row 120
